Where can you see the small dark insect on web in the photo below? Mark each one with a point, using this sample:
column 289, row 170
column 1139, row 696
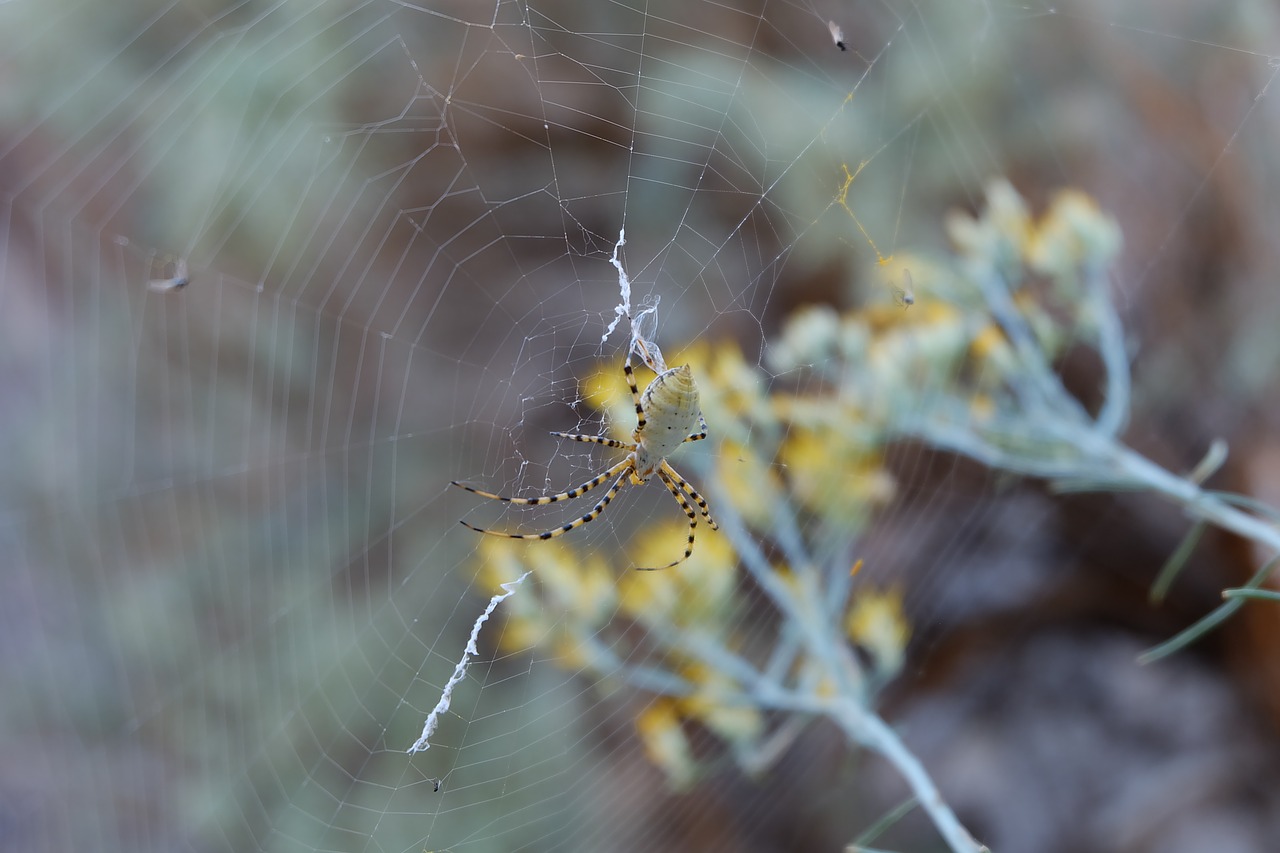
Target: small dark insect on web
column 904, row 295
column 837, row 35
column 177, row 281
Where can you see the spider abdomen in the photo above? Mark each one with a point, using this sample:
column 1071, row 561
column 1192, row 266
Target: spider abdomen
column 670, row 406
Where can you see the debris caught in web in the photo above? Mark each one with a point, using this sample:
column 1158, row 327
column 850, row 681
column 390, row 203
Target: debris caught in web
column 422, row 744
column 644, row 325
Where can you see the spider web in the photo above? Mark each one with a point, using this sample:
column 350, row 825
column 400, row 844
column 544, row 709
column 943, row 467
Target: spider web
column 236, row 584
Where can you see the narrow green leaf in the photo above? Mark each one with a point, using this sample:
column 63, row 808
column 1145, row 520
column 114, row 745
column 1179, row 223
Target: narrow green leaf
column 1176, row 561
column 1212, row 461
column 888, row 819
column 1215, row 618
column 1259, row 594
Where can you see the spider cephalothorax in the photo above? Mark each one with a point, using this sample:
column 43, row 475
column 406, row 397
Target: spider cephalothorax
column 666, row 415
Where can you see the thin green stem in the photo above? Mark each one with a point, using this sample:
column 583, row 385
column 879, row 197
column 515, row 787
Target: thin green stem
column 890, row 818
column 876, row 735
column 1173, row 566
column 801, row 603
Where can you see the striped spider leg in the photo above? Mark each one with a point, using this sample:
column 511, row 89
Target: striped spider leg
column 666, row 414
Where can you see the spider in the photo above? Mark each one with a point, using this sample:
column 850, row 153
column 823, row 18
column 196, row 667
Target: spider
column 665, row 416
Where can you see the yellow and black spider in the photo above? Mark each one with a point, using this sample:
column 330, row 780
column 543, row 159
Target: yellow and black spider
column 665, row 417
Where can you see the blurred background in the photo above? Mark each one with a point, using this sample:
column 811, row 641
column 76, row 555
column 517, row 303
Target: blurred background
column 234, row 583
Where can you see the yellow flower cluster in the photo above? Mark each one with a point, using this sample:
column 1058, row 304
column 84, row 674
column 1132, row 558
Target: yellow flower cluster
column 767, row 450
column 891, row 364
column 663, row 725
column 577, row 595
column 802, row 443
column 877, row 623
